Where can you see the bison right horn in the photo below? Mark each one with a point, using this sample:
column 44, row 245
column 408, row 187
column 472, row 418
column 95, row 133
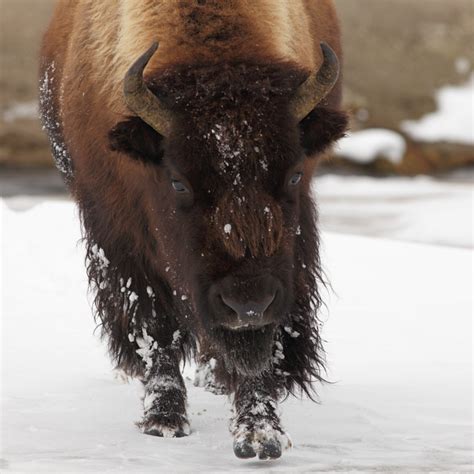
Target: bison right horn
column 317, row 86
column 141, row 100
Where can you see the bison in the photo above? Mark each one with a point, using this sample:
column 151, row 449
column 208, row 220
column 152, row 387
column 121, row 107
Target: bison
column 188, row 133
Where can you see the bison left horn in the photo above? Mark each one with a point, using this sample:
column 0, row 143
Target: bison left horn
column 141, row 100
column 317, row 86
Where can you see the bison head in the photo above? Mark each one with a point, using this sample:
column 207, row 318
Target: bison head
column 227, row 150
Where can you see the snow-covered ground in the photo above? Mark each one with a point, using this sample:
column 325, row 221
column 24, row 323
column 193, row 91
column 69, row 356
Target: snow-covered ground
column 420, row 209
column 399, row 341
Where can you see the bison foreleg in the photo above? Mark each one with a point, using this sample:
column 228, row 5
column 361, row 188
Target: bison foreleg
column 256, row 426
column 164, row 403
column 206, row 376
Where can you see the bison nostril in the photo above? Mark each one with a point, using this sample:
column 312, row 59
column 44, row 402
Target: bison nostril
column 248, row 311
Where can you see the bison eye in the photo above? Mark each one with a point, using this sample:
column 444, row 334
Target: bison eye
column 179, row 187
column 295, row 179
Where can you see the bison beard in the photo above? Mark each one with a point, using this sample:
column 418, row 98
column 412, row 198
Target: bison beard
column 247, row 352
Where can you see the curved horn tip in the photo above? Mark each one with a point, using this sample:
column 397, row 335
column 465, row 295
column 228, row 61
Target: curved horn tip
column 133, row 77
column 328, row 53
column 140, row 100
column 330, row 73
column 154, row 46
column 318, row 85
column 146, row 56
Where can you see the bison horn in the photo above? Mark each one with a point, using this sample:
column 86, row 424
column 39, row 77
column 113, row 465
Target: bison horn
column 317, row 86
column 141, row 100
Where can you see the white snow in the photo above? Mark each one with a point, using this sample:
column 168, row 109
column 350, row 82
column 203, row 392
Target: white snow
column 176, row 336
column 452, row 122
column 20, row 111
column 367, row 145
column 50, row 121
column 228, row 228
column 399, row 342
column 292, row 333
column 420, row 209
column 146, row 348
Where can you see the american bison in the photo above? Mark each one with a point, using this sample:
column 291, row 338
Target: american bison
column 188, row 132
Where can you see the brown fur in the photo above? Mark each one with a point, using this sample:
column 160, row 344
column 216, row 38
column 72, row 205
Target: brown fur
column 227, row 69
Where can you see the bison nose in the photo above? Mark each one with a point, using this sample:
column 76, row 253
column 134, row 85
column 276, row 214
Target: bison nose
column 249, row 313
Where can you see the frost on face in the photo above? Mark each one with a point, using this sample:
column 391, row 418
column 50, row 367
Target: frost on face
column 234, row 146
column 229, row 147
column 51, row 122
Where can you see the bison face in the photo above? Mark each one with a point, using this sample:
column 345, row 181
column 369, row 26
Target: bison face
column 229, row 225
column 234, row 228
column 226, row 190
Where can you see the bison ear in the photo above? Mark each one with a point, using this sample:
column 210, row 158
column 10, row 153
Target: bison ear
column 321, row 128
column 137, row 139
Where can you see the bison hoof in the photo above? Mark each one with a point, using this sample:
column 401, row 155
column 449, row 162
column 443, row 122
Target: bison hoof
column 265, row 444
column 155, row 427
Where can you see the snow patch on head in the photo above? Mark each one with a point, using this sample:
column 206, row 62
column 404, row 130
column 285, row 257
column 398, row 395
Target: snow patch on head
column 229, row 147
